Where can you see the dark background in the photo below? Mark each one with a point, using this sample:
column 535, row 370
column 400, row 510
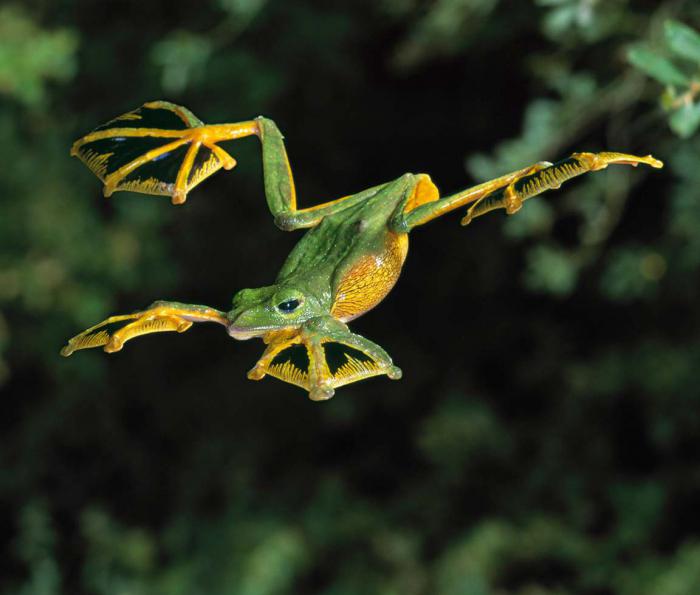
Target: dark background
column 544, row 438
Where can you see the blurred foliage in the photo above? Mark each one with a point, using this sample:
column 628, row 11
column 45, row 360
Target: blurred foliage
column 544, row 439
column 680, row 72
column 30, row 56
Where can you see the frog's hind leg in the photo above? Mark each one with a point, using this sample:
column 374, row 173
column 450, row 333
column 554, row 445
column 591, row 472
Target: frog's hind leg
column 420, row 211
column 321, row 356
column 510, row 191
column 112, row 333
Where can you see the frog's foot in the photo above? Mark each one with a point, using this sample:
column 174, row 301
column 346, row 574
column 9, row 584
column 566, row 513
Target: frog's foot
column 597, row 161
column 158, row 148
column 513, row 202
column 321, row 356
column 545, row 176
column 159, row 317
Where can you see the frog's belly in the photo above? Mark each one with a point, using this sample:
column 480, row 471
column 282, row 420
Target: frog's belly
column 370, row 279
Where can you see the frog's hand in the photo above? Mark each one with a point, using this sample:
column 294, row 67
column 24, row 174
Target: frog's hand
column 320, row 361
column 159, row 148
column 159, row 317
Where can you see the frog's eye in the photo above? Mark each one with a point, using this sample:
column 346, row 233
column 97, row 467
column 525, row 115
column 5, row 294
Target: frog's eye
column 288, row 306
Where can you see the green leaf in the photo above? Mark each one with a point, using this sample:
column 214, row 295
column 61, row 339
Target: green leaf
column 685, row 121
column 31, row 57
column 183, row 57
column 559, row 21
column 656, row 66
column 552, row 2
column 552, row 270
column 242, row 8
column 683, row 40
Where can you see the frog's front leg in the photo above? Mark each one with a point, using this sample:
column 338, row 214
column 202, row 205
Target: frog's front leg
column 321, row 356
column 160, row 316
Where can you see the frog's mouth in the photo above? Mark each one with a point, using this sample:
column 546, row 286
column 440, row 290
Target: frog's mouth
column 244, row 333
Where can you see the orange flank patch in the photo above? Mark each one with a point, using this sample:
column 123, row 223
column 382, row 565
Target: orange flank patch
column 425, row 191
column 370, row 280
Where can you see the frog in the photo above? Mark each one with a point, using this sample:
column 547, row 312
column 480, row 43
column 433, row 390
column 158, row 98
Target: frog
column 346, row 263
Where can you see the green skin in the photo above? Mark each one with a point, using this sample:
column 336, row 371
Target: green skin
column 313, row 269
column 341, row 234
column 321, row 258
column 351, row 230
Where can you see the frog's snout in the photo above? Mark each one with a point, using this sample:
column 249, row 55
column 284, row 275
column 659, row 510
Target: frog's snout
column 244, row 324
column 237, row 330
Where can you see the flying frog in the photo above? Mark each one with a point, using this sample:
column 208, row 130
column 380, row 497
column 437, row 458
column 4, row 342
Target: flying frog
column 344, row 266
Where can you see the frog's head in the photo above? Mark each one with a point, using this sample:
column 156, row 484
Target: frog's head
column 259, row 311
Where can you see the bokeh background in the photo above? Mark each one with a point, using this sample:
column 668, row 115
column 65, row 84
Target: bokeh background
column 545, row 437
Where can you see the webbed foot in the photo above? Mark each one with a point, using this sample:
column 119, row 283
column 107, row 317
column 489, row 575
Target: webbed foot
column 513, row 202
column 545, row 176
column 321, row 356
column 158, row 148
column 112, row 333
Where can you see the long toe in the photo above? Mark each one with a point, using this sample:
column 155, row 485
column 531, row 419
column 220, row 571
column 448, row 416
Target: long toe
column 321, row 393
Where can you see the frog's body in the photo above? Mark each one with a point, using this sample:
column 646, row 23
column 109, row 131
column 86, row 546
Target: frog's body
column 352, row 258
column 345, row 265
